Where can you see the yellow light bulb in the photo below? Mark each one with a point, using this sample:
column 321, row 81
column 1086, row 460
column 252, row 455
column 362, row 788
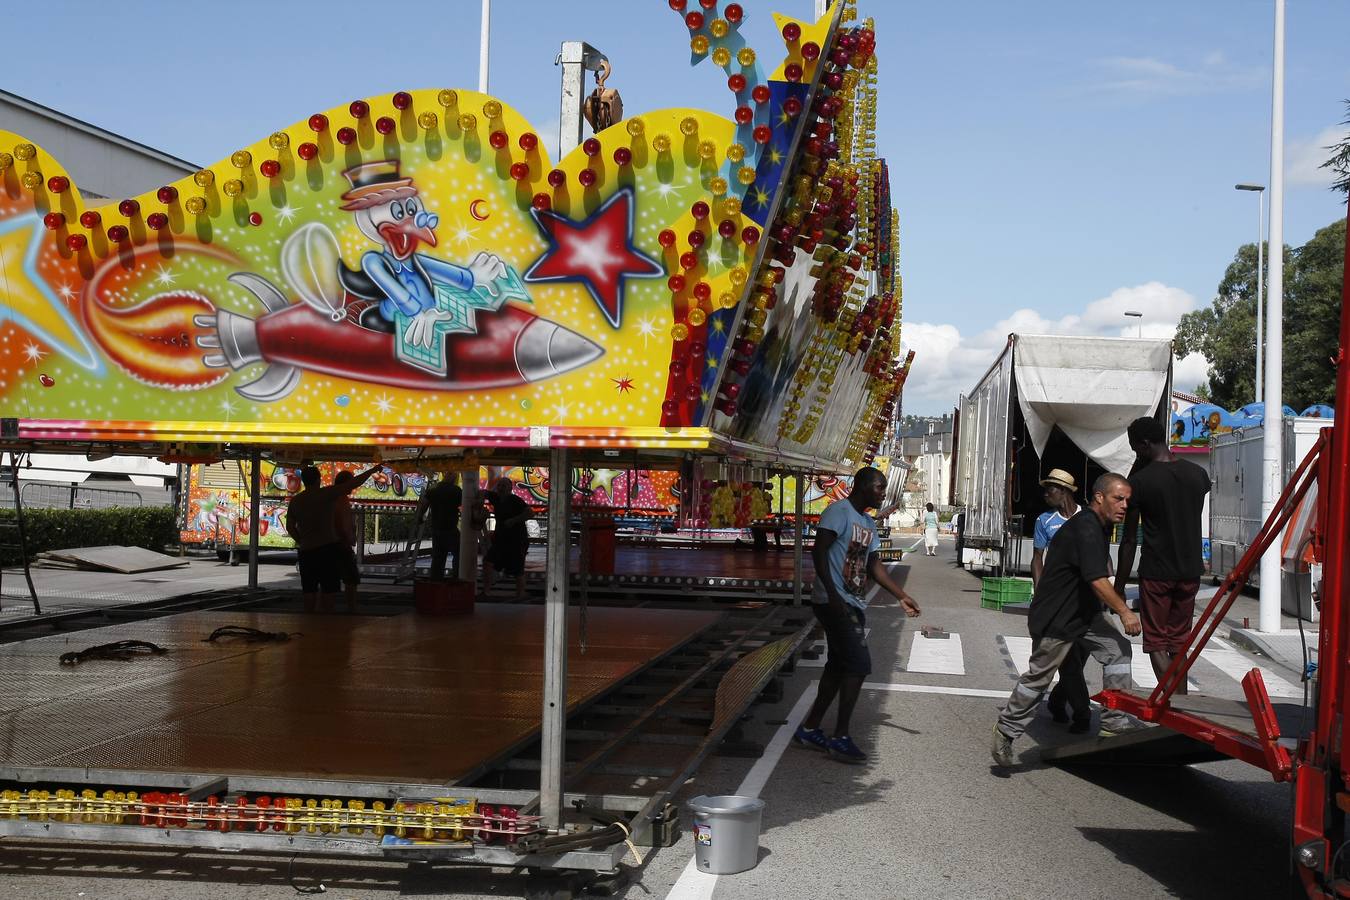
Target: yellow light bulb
column 718, row 185
column 428, row 120
column 699, row 44
column 661, row 143
column 241, row 159
column 635, row 126
column 697, row 317
column 233, row 188
column 719, row 29
column 707, row 149
column 447, row 98
column 279, row 140
column 679, row 331
column 722, row 57
column 745, row 175
column 467, row 121
column 739, row 276
column 196, row 205
column 492, row 109
column 732, row 206
column 6, row 160
column 204, row 177
column 746, row 56
column 688, row 126
column 755, row 334
column 726, row 300
column 32, row 180
column 736, row 152
column 24, row 151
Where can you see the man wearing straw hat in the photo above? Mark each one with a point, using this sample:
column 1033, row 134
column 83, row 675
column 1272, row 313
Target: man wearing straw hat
column 1061, row 496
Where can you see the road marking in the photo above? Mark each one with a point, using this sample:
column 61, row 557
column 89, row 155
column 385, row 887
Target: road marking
column 1236, row 666
column 695, row 885
column 933, row 689
column 1019, row 651
column 936, row 656
column 1141, row 672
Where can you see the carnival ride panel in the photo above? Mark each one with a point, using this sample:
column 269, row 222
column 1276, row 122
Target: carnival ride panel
column 404, row 698
column 413, row 270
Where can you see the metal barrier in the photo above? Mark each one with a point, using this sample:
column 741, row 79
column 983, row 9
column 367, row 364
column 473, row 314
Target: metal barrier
column 44, row 495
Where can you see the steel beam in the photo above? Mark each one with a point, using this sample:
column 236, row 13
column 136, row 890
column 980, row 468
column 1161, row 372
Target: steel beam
column 553, row 727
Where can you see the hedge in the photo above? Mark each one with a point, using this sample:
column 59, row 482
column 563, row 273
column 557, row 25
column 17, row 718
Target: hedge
column 151, row 527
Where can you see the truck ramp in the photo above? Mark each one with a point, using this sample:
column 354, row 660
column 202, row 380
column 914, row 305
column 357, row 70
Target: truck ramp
column 1160, row 745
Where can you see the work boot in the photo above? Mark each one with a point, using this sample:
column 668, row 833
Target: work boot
column 1001, row 749
column 1058, row 710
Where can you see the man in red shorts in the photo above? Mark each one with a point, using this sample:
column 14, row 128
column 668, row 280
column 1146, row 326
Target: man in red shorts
column 1169, row 496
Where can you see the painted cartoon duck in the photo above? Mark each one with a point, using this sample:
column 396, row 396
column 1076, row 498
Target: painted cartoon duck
column 388, row 210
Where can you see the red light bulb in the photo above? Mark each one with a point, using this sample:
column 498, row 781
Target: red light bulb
column 541, row 201
column 675, row 283
column 810, row 50
column 693, row 393
column 792, row 106
column 498, row 140
column 678, row 5
column 699, row 210
column 732, row 391
column 528, row 141
column 167, row 194
column 793, row 72
column 703, row 290
column 733, row 13
column 402, row 100
column 557, row 178
column 792, row 32
column 255, row 218
column 726, row 228
column 307, row 150
column 750, row 234
column 77, row 242
column 520, row 171
column 744, row 115
column 666, row 238
column 57, row 184
column 359, row 109
column 53, row 220
column 90, row 219
column 736, row 82
column 694, row 20
column 384, row 125
column 762, row 134
column 586, row 177
column 129, row 208
column 270, row 168
column 623, row 156
column 669, row 408
column 688, row 260
column 696, row 239
column 346, row 135
column 318, row 122
column 760, row 94
column 707, row 4
column 157, row 220
column 591, row 147
column 118, row 233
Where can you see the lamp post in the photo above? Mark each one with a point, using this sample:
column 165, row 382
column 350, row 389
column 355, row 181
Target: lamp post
column 1139, row 319
column 1260, row 190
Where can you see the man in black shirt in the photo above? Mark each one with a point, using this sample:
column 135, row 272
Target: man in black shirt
column 1169, row 495
column 1067, row 608
column 510, row 537
column 442, row 500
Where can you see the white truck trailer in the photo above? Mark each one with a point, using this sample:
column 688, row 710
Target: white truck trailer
column 1048, row 402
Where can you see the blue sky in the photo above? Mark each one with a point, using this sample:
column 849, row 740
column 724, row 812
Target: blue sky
column 1053, row 163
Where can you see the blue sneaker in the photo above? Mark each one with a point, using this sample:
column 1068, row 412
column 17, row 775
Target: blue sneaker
column 844, row 750
column 813, row 738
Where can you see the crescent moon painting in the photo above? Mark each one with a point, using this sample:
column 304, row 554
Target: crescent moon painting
column 476, row 210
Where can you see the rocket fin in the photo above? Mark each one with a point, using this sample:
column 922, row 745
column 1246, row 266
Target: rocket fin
column 310, row 259
column 275, row 383
column 267, row 293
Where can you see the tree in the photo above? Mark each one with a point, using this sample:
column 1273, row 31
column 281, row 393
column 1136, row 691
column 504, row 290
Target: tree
column 1225, row 332
column 1339, row 163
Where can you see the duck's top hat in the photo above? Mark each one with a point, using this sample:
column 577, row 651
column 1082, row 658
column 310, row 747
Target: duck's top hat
column 376, row 183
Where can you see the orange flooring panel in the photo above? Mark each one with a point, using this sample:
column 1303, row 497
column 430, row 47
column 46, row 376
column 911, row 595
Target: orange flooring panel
column 399, row 699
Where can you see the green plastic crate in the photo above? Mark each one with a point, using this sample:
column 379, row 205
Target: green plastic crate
column 996, row 593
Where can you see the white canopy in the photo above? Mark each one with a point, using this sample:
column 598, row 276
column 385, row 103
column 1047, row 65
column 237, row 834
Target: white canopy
column 1092, row 388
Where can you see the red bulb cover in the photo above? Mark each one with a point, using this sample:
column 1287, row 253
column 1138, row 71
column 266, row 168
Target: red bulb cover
column 810, row 50
column 129, row 208
column 58, row 184
column 591, row 147
column 520, row 171
column 157, row 220
column 541, row 201
column 346, row 135
column 762, row 134
column 699, row 210
column 384, row 125
column 678, row 5
column 359, row 109
column 270, row 168
column 498, row 140
column 666, row 238
column 90, row 219
column 53, row 220
column 694, row 20
column 307, row 150
column 793, row 72
column 726, row 228
column 557, row 177
column 118, row 233
column 760, row 94
column 688, row 259
column 744, row 115
column 402, row 100
column 792, row 32
column 528, row 141
column 736, row 82
column 318, row 122
column 696, row 239
column 623, row 156
column 77, row 242
column 675, row 283
column 255, row 218
column 167, row 194
column 733, row 13
column 587, row 177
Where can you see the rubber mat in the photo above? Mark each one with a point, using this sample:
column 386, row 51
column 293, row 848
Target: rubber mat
column 398, row 699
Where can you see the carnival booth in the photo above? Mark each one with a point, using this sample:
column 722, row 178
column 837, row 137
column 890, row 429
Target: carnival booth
column 410, row 278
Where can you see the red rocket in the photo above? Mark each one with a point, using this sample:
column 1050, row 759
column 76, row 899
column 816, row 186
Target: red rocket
column 511, row 346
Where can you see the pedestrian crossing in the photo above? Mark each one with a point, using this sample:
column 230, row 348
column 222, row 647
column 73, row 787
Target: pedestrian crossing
column 1219, row 671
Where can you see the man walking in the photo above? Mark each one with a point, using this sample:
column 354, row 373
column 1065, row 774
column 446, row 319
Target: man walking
column 443, row 501
column 1071, row 690
column 1169, row 496
column 844, row 555
column 1067, row 608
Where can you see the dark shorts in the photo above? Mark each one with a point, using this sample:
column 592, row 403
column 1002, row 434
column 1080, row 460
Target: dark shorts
column 507, row 557
column 320, row 569
column 1167, row 610
column 845, row 639
column 348, row 570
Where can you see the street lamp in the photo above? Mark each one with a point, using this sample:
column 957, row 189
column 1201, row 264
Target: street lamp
column 1260, row 190
column 1139, row 317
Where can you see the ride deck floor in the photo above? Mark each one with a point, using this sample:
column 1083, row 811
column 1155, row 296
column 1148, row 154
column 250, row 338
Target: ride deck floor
column 703, row 561
column 399, row 699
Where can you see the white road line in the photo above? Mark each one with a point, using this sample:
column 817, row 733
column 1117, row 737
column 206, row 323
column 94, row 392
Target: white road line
column 1141, row 672
column 1019, row 651
column 933, row 689
column 936, row 656
column 1236, row 666
column 695, row 885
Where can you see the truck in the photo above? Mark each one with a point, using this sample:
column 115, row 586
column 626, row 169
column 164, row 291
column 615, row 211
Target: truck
column 1235, row 514
column 1048, row 402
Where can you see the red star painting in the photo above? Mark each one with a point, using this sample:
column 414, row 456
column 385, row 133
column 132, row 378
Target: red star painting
column 598, row 252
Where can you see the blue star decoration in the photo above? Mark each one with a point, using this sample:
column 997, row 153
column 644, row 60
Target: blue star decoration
column 598, row 252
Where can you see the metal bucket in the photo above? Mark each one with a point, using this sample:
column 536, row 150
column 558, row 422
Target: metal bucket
column 726, row 833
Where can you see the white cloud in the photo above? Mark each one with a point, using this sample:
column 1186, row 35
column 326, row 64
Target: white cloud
column 1303, row 158
column 947, row 363
column 1147, row 76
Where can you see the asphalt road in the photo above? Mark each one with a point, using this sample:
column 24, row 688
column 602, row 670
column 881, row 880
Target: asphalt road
column 926, row 817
